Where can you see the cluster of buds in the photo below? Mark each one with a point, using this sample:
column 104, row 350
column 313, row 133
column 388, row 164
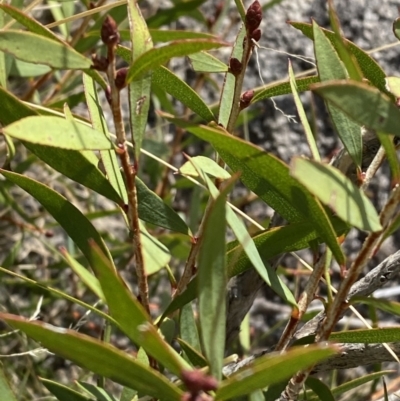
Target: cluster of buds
column 253, row 21
column 196, row 382
column 110, row 37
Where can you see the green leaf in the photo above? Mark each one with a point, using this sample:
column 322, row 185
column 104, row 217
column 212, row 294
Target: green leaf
column 193, row 355
column 30, row 23
column 369, row 67
column 330, row 67
column 80, row 166
column 352, row 384
column 393, row 85
column 77, row 226
column 320, row 389
column 58, row 132
column 275, row 241
column 270, row 369
column 98, row 357
column 108, row 157
column 154, row 210
column 155, row 254
column 228, row 89
column 188, row 327
column 130, row 315
column 12, row 109
column 158, row 56
column 208, row 165
column 206, row 62
column 85, row 276
column 363, row 103
column 23, row 69
column 303, row 117
column 283, row 88
column 368, row 336
column 99, row 393
column 212, row 280
column 269, row 178
column 5, row 389
column 38, row 49
column 180, row 90
column 139, row 90
column 335, row 190
column 396, row 28
column 4, row 62
column 166, row 16
column 382, row 304
column 61, row 392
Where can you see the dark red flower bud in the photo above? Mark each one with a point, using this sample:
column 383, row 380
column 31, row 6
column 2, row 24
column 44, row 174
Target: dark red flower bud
column 120, row 78
column 253, row 16
column 256, row 34
column 109, row 32
column 210, row 383
column 99, row 63
column 246, row 98
column 235, row 66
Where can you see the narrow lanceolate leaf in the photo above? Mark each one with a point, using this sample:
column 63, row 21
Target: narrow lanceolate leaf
column 77, row 226
column 275, row 241
column 180, row 90
column 63, row 393
column 269, row 178
column 108, row 157
column 369, row 67
column 100, row 358
column 362, row 103
column 367, row 336
column 206, row 62
column 30, row 23
column 283, row 88
column 270, row 369
column 139, row 90
column 303, row 117
column 130, row 315
column 392, row 307
column 225, row 106
column 155, row 254
column 154, row 210
column 3, row 58
column 212, row 284
column 264, row 270
column 207, row 165
column 84, row 275
column 38, row 49
column 335, row 190
column 156, row 57
column 320, row 389
column 5, row 389
column 329, row 68
column 58, row 132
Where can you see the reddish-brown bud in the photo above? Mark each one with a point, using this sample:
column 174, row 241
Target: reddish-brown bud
column 256, row 35
column 109, row 32
column 99, row 63
column 196, row 381
column 235, row 66
column 246, row 98
column 120, row 78
column 253, row 16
